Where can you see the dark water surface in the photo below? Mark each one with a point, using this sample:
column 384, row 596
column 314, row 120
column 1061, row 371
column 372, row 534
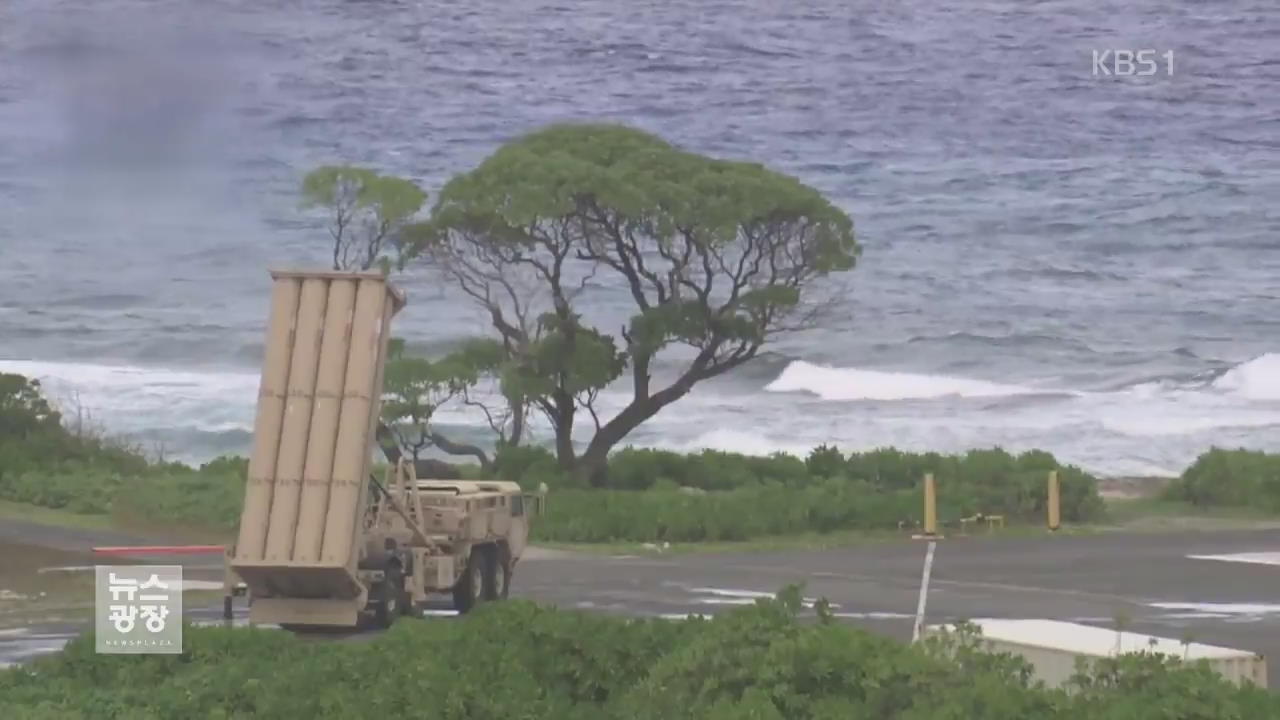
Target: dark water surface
column 1052, row 258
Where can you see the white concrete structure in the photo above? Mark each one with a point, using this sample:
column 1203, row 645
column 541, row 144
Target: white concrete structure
column 1052, row 647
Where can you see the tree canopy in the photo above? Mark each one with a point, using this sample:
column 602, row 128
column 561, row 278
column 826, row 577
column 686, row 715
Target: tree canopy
column 717, row 256
column 415, row 387
column 23, row 409
column 367, row 212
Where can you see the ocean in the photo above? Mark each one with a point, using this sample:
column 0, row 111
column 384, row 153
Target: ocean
column 1054, row 256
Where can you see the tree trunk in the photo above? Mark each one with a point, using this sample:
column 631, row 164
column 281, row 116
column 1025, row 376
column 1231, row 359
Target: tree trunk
column 390, row 446
column 564, row 413
column 517, row 422
column 594, row 461
column 591, row 470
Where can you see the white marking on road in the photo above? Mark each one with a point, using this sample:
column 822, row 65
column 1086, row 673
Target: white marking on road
column 1257, row 558
column 201, row 585
column 742, row 597
column 1220, row 608
column 731, row 593
column 237, row 622
column 1194, row 616
column 14, row 631
column 873, row 615
column 440, row 613
column 67, row 568
column 11, row 595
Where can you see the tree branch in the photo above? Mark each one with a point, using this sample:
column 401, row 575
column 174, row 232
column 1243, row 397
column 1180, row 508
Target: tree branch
column 456, row 448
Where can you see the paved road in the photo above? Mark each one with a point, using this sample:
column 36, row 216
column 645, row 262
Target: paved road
column 1151, row 579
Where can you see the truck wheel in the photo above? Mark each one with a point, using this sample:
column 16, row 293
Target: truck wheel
column 502, row 570
column 470, row 588
column 504, row 579
column 492, row 573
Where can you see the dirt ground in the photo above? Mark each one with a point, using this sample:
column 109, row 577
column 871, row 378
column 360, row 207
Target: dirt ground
column 42, row 583
column 49, row 584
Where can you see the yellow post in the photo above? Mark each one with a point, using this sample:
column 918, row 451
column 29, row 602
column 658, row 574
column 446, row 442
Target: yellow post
column 1054, row 504
column 930, row 506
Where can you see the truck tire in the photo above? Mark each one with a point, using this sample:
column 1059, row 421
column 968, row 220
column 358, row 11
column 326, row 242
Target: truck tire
column 504, row 580
column 503, row 570
column 470, row 588
column 492, row 570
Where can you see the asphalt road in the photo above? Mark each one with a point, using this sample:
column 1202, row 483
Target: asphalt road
column 1151, row 579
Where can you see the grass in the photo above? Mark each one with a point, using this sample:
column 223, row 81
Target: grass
column 1155, row 513
column 1145, row 514
column 10, row 510
column 1134, row 515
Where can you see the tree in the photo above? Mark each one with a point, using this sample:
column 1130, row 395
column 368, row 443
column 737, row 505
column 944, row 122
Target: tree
column 367, row 212
column 716, row 256
column 415, row 388
column 24, row 412
column 367, row 215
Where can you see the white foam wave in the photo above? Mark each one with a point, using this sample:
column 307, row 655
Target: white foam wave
column 739, row 441
column 1258, row 379
column 1148, row 429
column 1154, row 428
column 128, row 399
column 831, row 383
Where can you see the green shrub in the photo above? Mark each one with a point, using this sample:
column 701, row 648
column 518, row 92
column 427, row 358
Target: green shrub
column 207, row 499
column 749, row 496
column 824, row 461
column 519, row 660
column 529, row 465
column 1220, row 477
column 741, row 514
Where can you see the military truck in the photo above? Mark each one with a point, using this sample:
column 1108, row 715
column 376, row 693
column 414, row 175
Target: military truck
column 323, row 542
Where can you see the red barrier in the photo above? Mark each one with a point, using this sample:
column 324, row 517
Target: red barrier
column 162, row 550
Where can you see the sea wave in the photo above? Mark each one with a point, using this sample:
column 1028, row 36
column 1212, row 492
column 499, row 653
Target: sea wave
column 1258, row 379
column 1156, row 426
column 832, row 383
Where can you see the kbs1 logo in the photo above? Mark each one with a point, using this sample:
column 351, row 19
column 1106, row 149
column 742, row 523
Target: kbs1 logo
column 1132, row 63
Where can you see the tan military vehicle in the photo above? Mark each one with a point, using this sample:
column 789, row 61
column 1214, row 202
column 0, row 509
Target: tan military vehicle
column 322, row 542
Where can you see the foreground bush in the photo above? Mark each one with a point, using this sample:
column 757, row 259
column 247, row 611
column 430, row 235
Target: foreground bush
column 517, row 660
column 1230, row 478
